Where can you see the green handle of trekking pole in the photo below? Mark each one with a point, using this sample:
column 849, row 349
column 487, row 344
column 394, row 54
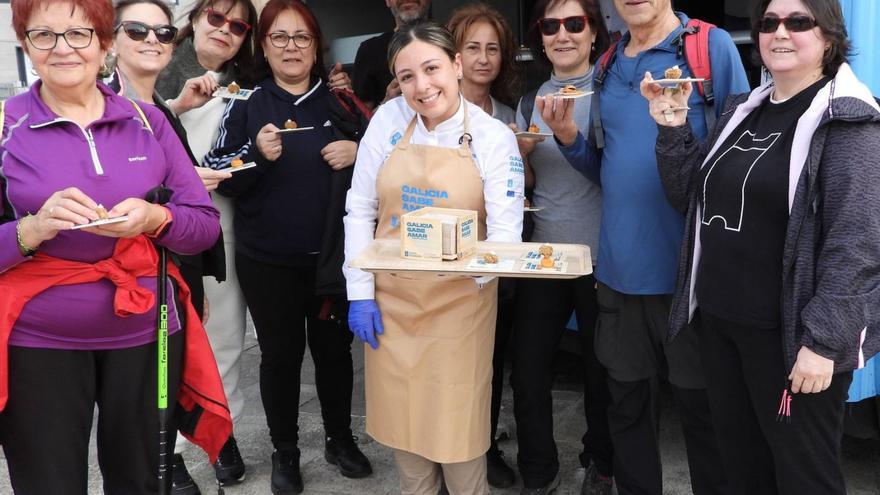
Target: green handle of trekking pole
column 163, row 356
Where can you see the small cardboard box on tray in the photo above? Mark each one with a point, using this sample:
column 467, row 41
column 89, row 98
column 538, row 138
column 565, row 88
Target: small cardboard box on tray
column 438, row 233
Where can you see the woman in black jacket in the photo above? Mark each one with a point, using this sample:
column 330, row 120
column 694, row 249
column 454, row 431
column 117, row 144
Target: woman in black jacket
column 143, row 45
column 288, row 224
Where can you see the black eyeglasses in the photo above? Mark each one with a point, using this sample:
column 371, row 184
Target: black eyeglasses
column 574, row 24
column 280, row 39
column 138, row 31
column 76, row 38
column 794, row 23
column 217, row 19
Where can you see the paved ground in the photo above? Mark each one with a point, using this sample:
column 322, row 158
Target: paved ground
column 862, row 458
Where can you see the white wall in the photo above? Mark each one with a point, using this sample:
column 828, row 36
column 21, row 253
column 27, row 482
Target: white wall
column 8, row 43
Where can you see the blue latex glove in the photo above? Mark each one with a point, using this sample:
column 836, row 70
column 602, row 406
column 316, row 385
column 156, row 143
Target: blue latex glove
column 365, row 321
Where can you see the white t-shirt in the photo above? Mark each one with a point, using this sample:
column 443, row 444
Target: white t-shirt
column 495, row 153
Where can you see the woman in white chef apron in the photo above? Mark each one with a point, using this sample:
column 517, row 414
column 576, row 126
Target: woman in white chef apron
column 429, row 361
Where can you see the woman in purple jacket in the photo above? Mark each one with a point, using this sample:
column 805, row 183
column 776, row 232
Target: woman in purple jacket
column 69, row 145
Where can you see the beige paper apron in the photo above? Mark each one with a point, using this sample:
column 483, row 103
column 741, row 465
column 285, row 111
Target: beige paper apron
column 428, row 385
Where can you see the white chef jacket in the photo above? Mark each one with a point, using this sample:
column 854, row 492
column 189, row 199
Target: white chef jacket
column 495, row 153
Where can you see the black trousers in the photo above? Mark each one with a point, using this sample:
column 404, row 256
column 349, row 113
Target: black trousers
column 746, row 375
column 286, row 311
column 634, row 420
column 503, row 327
column 47, row 422
column 542, row 309
column 631, row 342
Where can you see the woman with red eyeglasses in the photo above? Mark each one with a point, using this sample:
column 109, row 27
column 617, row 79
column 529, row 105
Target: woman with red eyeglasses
column 781, row 249
column 568, row 35
column 213, row 49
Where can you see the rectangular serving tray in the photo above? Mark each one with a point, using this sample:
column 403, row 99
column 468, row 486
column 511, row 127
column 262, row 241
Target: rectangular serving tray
column 383, row 255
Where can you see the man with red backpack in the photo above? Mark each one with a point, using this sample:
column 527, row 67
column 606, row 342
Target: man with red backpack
column 641, row 234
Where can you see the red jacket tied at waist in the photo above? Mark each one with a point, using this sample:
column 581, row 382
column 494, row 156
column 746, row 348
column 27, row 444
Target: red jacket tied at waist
column 201, row 395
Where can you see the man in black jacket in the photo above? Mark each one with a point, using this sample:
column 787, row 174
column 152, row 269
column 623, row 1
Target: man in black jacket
column 373, row 83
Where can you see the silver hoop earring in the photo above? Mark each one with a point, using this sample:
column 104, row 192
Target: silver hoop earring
column 34, row 72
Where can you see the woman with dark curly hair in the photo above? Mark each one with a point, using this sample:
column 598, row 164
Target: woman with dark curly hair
column 568, row 35
column 778, row 266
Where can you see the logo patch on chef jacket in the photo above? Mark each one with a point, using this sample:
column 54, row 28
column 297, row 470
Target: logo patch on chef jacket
column 516, row 164
column 396, row 137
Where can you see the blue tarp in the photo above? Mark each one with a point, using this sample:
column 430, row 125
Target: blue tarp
column 863, row 25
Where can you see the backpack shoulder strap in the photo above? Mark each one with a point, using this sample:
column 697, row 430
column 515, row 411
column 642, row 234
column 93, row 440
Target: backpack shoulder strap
column 527, row 105
column 600, row 71
column 695, row 41
column 143, row 116
column 605, row 61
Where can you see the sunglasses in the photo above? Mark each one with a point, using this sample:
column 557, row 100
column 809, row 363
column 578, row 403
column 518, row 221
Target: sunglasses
column 574, row 24
column 794, row 23
column 236, row 26
column 138, row 31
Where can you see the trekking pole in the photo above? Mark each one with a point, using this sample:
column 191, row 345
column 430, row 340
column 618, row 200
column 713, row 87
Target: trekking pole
column 161, row 195
column 162, row 344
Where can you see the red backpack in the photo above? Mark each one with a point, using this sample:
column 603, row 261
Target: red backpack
column 694, row 43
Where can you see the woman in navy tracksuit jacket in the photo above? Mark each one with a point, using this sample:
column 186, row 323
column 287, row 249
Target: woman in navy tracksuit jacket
column 288, row 225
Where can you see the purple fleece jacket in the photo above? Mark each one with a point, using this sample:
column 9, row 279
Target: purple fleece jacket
column 116, row 157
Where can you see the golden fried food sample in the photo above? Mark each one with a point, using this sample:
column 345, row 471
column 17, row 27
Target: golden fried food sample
column 547, row 262
column 236, row 162
column 569, row 89
column 673, row 72
column 102, row 212
column 534, row 128
column 546, row 250
column 490, row 257
column 233, row 88
column 290, row 124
